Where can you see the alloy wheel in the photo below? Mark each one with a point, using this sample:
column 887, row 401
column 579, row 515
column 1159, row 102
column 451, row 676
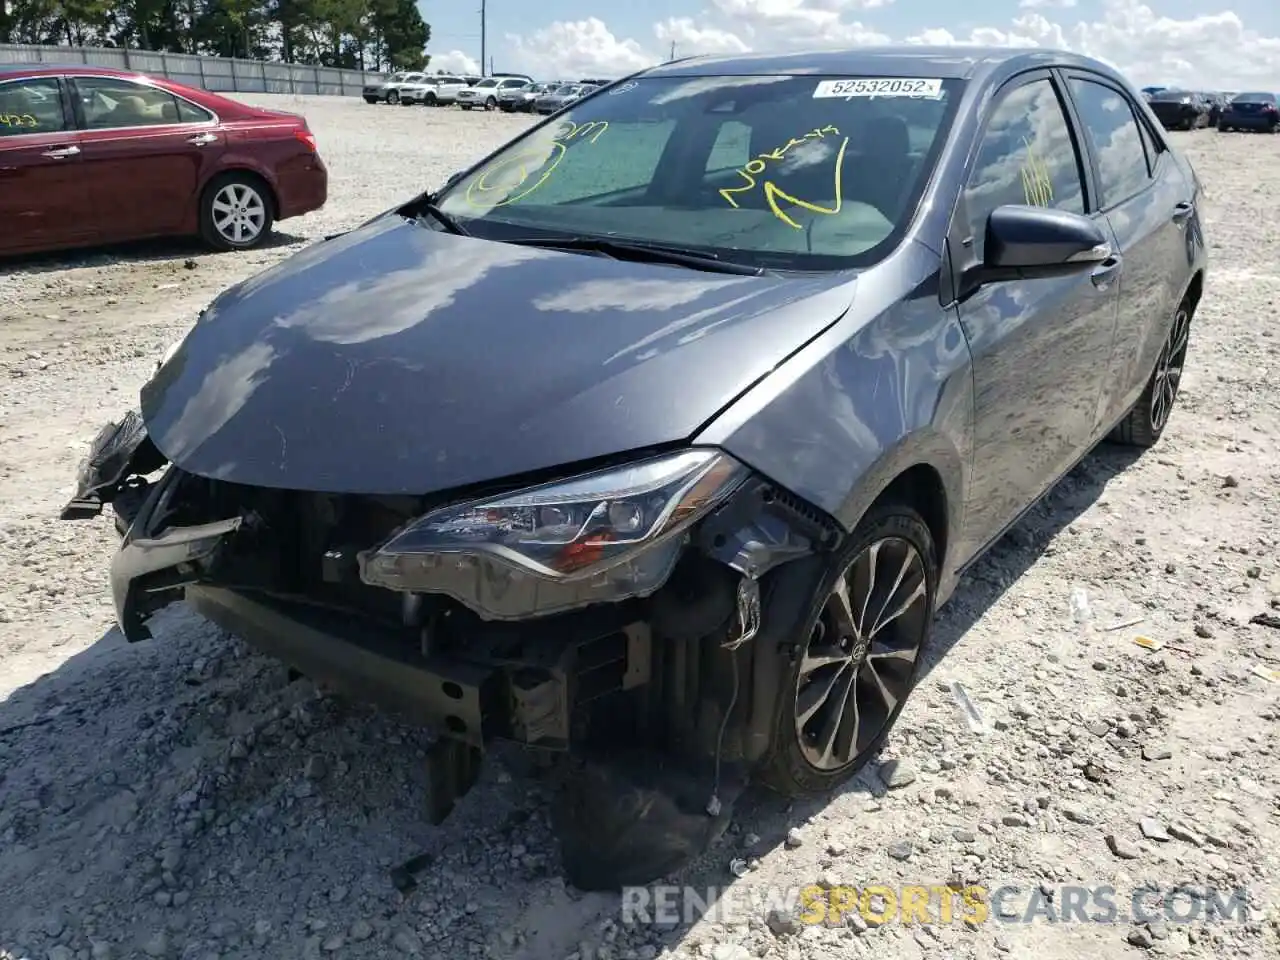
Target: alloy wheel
column 393, row 97
column 239, row 213
column 1168, row 375
column 860, row 661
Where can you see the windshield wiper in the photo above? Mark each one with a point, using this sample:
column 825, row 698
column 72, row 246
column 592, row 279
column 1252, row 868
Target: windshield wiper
column 429, row 208
column 642, row 253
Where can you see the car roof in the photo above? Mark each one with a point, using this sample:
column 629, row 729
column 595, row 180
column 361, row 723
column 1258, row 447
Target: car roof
column 43, row 68
column 961, row 62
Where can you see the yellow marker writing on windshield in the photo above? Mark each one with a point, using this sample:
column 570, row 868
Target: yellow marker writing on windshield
column 513, row 172
column 753, row 168
column 772, row 192
column 19, row 120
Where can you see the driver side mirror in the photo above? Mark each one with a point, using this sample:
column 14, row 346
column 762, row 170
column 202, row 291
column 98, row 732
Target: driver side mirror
column 1025, row 242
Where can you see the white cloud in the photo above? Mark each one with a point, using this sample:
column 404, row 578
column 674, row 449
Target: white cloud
column 578, row 48
column 454, row 61
column 1214, row 50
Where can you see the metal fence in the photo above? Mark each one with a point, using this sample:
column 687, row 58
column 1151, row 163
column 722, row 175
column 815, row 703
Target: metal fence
column 218, row 74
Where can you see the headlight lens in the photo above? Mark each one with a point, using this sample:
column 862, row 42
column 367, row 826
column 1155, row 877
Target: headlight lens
column 604, row 527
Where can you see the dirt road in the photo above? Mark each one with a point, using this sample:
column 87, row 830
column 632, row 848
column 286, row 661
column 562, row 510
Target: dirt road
column 180, row 798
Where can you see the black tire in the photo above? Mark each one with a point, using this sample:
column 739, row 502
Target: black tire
column 490, row 104
column 786, row 769
column 465, row 106
column 370, row 99
column 393, row 97
column 1146, row 421
column 430, row 100
column 213, row 194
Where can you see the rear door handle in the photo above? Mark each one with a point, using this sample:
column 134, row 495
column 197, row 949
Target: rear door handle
column 202, row 139
column 1105, row 272
column 1182, row 211
column 58, row 153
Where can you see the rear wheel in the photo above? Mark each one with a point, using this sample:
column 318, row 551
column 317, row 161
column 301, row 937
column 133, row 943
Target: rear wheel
column 236, row 212
column 465, row 106
column 1145, row 423
column 370, row 99
column 860, row 654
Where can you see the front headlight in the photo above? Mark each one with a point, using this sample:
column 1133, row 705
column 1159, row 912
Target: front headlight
column 600, row 537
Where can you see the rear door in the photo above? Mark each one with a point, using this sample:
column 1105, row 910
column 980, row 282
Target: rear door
column 1040, row 347
column 1149, row 204
column 146, row 152
column 44, row 199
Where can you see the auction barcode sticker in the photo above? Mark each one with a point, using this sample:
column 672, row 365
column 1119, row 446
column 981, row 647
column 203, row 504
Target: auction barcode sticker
column 880, row 87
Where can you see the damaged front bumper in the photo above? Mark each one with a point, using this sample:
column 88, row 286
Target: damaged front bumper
column 672, row 653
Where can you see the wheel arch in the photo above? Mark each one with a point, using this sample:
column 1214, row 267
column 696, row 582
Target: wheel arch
column 1195, row 290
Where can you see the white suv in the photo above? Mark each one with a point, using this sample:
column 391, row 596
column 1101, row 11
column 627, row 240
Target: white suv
column 485, row 93
column 433, row 91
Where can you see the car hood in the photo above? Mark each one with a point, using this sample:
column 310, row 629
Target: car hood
column 400, row 359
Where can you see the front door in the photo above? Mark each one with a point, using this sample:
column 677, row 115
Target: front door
column 44, row 199
column 1040, row 347
column 146, row 153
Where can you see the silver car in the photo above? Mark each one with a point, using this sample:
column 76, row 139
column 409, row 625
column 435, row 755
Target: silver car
column 485, row 93
column 433, row 91
column 561, row 97
column 388, row 90
column 520, row 99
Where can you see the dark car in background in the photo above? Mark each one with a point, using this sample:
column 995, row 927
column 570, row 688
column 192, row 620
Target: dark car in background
column 1180, row 109
column 90, row 155
column 560, row 97
column 521, row 99
column 598, row 452
column 1251, row 111
column 1217, row 103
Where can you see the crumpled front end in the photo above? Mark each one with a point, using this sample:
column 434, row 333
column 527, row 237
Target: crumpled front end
column 539, row 614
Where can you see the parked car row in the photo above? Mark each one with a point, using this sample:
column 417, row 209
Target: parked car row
column 509, row 92
column 1190, row 110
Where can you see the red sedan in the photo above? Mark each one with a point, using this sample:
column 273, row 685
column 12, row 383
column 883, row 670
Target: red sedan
column 90, row 155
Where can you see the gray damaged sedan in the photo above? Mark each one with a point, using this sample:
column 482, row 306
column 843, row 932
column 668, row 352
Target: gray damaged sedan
column 656, row 438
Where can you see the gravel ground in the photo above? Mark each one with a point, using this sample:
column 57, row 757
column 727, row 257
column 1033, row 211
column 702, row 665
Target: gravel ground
column 183, row 798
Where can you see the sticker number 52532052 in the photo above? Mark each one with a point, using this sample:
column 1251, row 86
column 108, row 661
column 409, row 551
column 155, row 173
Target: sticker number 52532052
column 880, row 87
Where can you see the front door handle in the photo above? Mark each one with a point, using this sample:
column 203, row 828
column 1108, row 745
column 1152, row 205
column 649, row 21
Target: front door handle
column 202, row 139
column 1105, row 272
column 1182, row 211
column 59, row 153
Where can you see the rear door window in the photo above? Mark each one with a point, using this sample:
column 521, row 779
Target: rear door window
column 31, row 106
column 1112, row 129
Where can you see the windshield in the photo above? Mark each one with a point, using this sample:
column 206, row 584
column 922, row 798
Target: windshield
column 779, row 171
column 396, row 78
column 567, row 89
column 1255, row 98
column 487, row 83
column 1175, row 95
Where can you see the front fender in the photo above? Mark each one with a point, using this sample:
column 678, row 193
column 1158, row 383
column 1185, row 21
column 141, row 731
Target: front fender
column 865, row 401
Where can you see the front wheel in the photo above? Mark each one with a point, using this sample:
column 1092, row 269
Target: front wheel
column 393, row 97
column 1145, row 423
column 430, row 100
column 859, row 654
column 235, row 212
column 490, row 104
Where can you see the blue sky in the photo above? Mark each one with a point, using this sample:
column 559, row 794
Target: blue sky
column 1231, row 45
